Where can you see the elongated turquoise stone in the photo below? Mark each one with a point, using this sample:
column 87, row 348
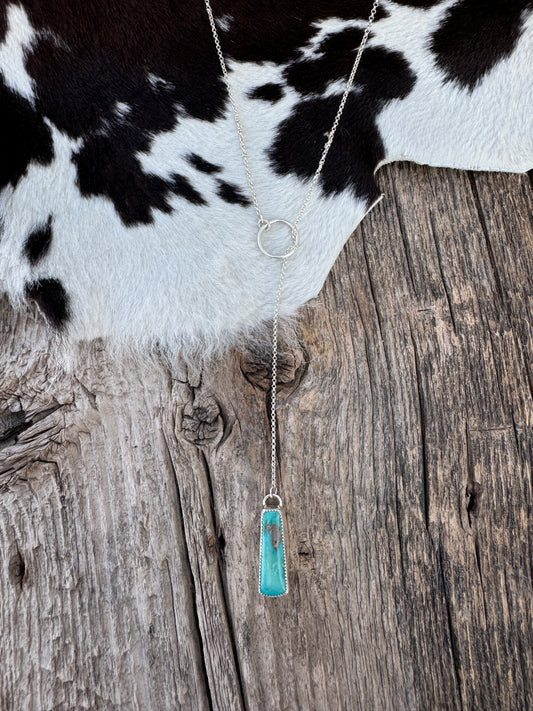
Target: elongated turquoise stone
column 273, row 577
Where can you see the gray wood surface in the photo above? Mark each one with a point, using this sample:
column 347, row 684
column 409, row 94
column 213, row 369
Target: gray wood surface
column 130, row 492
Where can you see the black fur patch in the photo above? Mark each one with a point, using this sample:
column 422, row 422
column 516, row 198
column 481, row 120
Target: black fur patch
column 109, row 168
column 38, row 242
column 99, row 60
column 164, row 70
column 418, row 3
column 345, row 42
column 475, row 35
column 267, row 92
column 278, row 29
column 232, row 194
column 203, row 165
column 24, row 137
column 357, row 147
column 3, row 22
column 309, row 76
column 52, row 299
column 181, row 186
column 85, row 64
column 106, row 168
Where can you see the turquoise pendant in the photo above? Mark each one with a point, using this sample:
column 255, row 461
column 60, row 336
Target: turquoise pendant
column 273, row 569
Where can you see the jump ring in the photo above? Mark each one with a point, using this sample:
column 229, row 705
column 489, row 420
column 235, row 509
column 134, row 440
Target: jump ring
column 295, row 239
column 273, row 496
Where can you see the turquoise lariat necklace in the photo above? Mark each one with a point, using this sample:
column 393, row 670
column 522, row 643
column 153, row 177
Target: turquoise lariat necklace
column 273, row 581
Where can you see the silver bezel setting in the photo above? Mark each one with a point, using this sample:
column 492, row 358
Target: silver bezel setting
column 273, row 508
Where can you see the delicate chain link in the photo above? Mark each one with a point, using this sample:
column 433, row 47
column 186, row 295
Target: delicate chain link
column 261, row 220
column 305, row 204
column 273, row 428
column 338, row 115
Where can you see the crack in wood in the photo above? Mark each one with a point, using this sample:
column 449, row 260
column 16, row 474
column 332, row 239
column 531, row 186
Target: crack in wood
column 422, row 429
column 485, row 232
column 223, row 584
column 433, row 231
column 190, row 571
column 453, row 642
column 12, row 424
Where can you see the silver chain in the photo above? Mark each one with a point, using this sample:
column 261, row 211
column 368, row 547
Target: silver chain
column 265, row 224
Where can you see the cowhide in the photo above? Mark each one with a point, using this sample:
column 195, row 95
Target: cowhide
column 124, row 208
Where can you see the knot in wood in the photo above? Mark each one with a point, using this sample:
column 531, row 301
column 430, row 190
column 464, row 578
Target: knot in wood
column 473, row 498
column 306, row 553
column 202, row 422
column 215, row 547
column 256, row 366
column 16, row 569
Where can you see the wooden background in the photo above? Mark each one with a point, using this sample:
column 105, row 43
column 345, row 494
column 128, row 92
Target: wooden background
column 130, row 494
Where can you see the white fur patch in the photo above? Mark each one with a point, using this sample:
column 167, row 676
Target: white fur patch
column 445, row 125
column 19, row 39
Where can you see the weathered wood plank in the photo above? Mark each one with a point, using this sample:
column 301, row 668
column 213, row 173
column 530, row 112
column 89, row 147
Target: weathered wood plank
column 130, row 501
column 96, row 608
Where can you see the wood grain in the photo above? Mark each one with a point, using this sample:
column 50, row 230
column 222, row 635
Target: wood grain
column 130, row 491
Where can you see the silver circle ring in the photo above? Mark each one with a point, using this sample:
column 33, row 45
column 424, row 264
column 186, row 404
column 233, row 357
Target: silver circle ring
column 295, row 238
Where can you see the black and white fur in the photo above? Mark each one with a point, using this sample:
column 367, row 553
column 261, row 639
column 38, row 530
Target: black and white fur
column 124, row 208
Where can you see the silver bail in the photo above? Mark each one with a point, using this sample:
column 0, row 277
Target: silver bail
column 270, row 496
